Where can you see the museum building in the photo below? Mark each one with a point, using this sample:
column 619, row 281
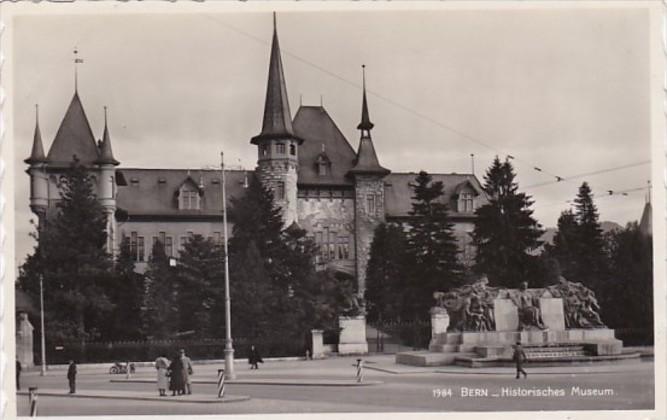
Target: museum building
column 338, row 195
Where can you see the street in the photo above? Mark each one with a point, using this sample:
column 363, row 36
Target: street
column 626, row 386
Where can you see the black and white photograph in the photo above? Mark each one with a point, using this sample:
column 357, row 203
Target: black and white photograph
column 306, row 208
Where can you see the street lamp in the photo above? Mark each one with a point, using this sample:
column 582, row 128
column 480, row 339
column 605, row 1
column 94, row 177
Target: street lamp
column 42, row 371
column 229, row 349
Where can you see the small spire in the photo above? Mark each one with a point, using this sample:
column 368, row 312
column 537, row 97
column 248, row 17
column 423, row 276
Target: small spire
column 37, row 154
column 77, row 60
column 365, row 125
column 106, row 154
column 275, row 25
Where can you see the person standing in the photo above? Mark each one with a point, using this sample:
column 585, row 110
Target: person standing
column 176, row 384
column 186, row 364
column 162, row 364
column 18, row 375
column 71, row 376
column 519, row 358
column 254, row 357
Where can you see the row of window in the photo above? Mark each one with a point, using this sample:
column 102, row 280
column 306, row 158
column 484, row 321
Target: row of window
column 140, row 253
column 281, row 149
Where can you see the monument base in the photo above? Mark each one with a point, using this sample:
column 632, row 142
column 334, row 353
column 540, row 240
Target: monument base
column 352, row 338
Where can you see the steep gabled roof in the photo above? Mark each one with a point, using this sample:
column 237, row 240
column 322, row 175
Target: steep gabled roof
column 367, row 160
column 74, row 137
column 319, row 131
column 277, row 121
column 398, row 194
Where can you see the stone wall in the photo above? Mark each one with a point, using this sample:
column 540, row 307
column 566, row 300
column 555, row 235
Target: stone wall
column 366, row 220
column 333, row 215
column 271, row 173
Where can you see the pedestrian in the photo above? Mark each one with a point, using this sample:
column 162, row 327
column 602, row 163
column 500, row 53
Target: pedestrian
column 186, row 364
column 162, row 365
column 519, row 357
column 71, row 376
column 175, row 372
column 18, row 375
column 254, row 357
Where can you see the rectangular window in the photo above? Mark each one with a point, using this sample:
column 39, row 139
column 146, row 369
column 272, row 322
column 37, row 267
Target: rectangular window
column 466, row 203
column 343, row 247
column 263, row 150
column 181, row 242
column 292, row 149
column 133, row 245
column 370, row 198
column 140, row 249
column 280, row 148
column 154, row 242
column 169, row 246
column 217, row 238
column 162, row 238
column 280, row 191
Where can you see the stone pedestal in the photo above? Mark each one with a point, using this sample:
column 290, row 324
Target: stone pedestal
column 352, row 338
column 552, row 313
column 506, row 315
column 317, row 344
column 24, row 341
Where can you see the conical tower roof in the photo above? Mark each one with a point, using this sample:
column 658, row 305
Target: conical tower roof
column 106, row 154
column 74, row 137
column 277, row 122
column 367, row 161
column 37, row 154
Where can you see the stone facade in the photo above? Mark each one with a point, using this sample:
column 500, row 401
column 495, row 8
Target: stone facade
column 369, row 213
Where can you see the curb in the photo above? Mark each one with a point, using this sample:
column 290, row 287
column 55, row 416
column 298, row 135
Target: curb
column 226, row 399
column 262, row 382
column 151, row 364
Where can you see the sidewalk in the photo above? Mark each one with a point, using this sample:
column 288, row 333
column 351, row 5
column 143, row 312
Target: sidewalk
column 138, row 396
column 264, row 381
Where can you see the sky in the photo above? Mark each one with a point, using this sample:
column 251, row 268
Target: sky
column 566, row 91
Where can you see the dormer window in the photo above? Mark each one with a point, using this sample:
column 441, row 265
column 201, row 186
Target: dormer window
column 188, row 197
column 466, row 203
column 322, row 169
column 323, row 165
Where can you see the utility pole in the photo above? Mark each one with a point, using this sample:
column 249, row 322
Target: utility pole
column 229, row 349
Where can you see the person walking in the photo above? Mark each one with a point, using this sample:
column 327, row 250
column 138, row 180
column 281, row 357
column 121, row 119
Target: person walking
column 162, row 365
column 175, row 372
column 18, row 375
column 254, row 357
column 71, row 377
column 519, row 357
column 186, row 364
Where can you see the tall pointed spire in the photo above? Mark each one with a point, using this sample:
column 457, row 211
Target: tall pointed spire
column 106, row 154
column 367, row 161
column 365, row 125
column 37, row 154
column 277, row 122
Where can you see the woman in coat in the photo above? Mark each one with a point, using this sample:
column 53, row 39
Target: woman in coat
column 254, row 358
column 176, row 380
column 162, row 365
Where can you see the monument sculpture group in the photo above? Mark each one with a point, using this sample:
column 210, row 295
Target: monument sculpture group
column 477, row 324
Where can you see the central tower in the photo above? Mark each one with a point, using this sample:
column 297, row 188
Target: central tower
column 277, row 145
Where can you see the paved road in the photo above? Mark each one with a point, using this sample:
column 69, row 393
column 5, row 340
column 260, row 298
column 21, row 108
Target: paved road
column 628, row 386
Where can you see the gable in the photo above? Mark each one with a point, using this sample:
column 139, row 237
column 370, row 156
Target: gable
column 320, row 134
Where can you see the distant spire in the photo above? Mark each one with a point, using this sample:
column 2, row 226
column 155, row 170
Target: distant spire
column 365, row 125
column 106, row 154
column 37, row 155
column 277, row 122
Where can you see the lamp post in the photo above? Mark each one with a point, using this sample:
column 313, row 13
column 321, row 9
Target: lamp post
column 229, row 349
column 42, row 371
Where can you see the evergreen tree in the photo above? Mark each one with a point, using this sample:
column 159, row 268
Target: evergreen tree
column 200, row 273
column 506, row 235
column 160, row 310
column 72, row 260
column 627, row 298
column 431, row 245
column 566, row 243
column 386, row 273
column 126, row 296
column 591, row 261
